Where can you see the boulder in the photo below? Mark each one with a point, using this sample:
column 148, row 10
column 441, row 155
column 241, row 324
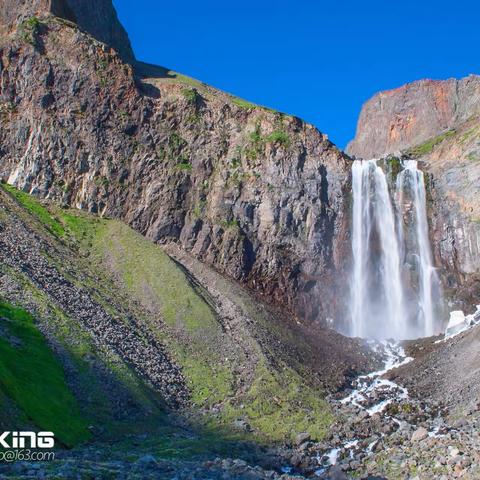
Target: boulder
column 456, row 324
column 419, row 434
column 302, row 438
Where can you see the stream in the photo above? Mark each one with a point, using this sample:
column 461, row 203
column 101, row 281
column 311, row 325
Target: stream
column 371, row 394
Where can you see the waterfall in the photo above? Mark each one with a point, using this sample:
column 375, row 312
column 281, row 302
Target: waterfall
column 386, row 235
column 411, row 177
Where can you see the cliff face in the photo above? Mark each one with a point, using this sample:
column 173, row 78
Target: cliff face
column 259, row 195
column 97, row 17
column 397, row 119
column 454, row 166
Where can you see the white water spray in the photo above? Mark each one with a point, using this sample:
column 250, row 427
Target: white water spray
column 384, row 302
column 429, row 283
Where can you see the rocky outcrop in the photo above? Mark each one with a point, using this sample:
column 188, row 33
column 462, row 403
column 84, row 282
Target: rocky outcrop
column 97, row 17
column 397, row 119
column 261, row 196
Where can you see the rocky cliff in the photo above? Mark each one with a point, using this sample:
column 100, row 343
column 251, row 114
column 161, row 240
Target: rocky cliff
column 397, row 119
column 259, row 195
column 97, row 17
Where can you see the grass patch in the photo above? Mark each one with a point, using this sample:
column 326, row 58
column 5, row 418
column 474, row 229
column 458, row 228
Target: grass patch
column 257, row 143
column 280, row 137
column 35, row 208
column 176, row 142
column 78, row 224
column 428, row 146
column 142, row 263
column 186, row 80
column 156, row 282
column 471, row 134
column 184, row 166
column 33, row 378
column 198, row 210
column 239, row 102
column 190, row 95
column 279, row 406
column 29, row 29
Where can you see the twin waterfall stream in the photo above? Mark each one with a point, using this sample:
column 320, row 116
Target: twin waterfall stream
column 395, row 291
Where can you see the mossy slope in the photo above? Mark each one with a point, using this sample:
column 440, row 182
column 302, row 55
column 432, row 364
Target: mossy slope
column 32, row 376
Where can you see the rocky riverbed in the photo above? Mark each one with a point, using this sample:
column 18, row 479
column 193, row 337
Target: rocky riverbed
column 385, row 432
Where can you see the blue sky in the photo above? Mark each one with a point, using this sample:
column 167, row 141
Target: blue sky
column 319, row 60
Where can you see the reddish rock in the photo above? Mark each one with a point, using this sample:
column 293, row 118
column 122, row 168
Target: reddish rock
column 407, row 116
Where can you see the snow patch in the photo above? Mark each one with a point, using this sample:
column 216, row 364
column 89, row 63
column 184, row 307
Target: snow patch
column 459, row 323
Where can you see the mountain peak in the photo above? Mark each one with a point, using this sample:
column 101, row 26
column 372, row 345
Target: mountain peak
column 96, row 17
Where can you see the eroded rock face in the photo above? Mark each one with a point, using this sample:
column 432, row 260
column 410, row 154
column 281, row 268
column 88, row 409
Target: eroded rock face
column 454, row 201
column 97, row 17
column 397, row 119
column 261, row 196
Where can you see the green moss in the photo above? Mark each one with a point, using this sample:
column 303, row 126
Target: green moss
column 33, row 378
column 279, row 406
column 256, row 136
column 142, row 262
column 152, row 278
column 280, row 137
column 190, row 94
column 29, row 29
column 235, row 162
column 239, row 102
column 184, row 166
column 176, row 143
column 193, row 119
column 77, row 223
column 471, row 134
column 198, row 210
column 428, row 146
column 102, row 181
column 227, row 224
column 34, row 207
column 473, row 156
column 257, row 144
column 393, row 166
